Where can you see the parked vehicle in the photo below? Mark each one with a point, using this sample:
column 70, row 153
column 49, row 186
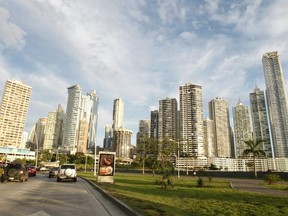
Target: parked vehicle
column 53, row 172
column 32, row 170
column 43, row 168
column 14, row 171
column 67, row 171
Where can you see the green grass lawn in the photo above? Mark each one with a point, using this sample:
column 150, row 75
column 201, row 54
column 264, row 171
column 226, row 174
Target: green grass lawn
column 217, row 197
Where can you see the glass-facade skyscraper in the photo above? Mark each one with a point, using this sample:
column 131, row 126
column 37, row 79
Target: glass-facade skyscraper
column 259, row 117
column 277, row 103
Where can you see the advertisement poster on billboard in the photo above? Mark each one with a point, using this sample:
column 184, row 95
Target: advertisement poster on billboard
column 106, row 167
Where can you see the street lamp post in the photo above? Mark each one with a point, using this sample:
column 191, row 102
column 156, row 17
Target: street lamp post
column 178, row 154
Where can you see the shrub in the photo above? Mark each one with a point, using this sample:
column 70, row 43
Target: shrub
column 200, row 182
column 272, row 178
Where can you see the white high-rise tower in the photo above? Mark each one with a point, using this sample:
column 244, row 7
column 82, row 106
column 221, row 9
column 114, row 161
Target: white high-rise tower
column 72, row 119
column 277, row 103
column 118, row 114
column 191, row 120
column 13, row 112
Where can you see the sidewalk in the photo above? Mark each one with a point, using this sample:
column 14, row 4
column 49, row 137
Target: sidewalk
column 254, row 185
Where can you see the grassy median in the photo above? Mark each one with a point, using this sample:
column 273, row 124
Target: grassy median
column 216, row 197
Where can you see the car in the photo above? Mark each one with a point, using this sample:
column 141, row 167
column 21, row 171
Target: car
column 43, row 168
column 31, row 170
column 53, row 172
column 14, row 171
column 67, row 171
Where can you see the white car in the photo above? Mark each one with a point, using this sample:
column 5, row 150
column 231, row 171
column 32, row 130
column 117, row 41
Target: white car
column 67, row 171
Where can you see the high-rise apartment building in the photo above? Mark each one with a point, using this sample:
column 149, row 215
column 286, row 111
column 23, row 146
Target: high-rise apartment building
column 219, row 114
column 277, row 103
column 154, row 115
column 108, row 139
column 143, row 136
column 168, row 119
column 72, row 119
column 40, row 132
column 83, row 135
column 209, row 137
column 121, row 137
column 191, row 121
column 118, row 114
column 13, row 112
column 82, row 110
column 242, row 129
column 89, row 110
column 122, row 142
column 259, row 117
column 53, row 129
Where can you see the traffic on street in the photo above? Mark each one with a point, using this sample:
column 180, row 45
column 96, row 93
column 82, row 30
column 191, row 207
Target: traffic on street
column 44, row 196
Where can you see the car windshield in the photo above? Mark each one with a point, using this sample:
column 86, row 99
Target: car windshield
column 67, row 166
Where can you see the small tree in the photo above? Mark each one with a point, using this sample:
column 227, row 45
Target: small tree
column 272, row 178
column 166, row 151
column 254, row 149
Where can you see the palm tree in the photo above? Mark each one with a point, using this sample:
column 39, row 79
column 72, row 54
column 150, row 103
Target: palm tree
column 254, row 149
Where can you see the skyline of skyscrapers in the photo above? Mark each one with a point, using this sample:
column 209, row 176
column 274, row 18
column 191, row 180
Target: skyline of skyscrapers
column 13, row 112
column 186, row 125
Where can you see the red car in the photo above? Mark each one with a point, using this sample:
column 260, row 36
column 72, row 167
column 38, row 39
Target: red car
column 31, row 170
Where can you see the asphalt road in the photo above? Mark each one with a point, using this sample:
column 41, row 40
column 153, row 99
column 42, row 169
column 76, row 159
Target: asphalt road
column 43, row 196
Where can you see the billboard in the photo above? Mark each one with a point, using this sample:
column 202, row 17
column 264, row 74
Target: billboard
column 106, row 167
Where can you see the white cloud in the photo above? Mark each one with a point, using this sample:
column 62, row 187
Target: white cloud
column 11, row 36
column 141, row 51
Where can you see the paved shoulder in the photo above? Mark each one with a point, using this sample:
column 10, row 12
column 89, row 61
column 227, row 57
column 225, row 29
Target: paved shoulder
column 256, row 186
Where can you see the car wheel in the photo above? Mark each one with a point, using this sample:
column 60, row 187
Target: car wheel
column 58, row 179
column 75, row 179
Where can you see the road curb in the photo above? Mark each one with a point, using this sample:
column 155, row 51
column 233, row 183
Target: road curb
column 128, row 210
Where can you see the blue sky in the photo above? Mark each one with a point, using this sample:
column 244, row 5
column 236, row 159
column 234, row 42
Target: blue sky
column 141, row 51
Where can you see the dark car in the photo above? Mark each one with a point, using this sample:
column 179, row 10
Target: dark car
column 14, row 171
column 31, row 170
column 53, row 172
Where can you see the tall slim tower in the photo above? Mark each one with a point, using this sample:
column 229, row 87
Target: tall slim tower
column 72, row 119
column 154, row 115
column 53, row 129
column 13, row 112
column 191, row 120
column 242, row 128
column 260, row 120
column 168, row 119
column 277, row 103
column 209, row 138
column 118, row 114
column 219, row 114
column 89, row 110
